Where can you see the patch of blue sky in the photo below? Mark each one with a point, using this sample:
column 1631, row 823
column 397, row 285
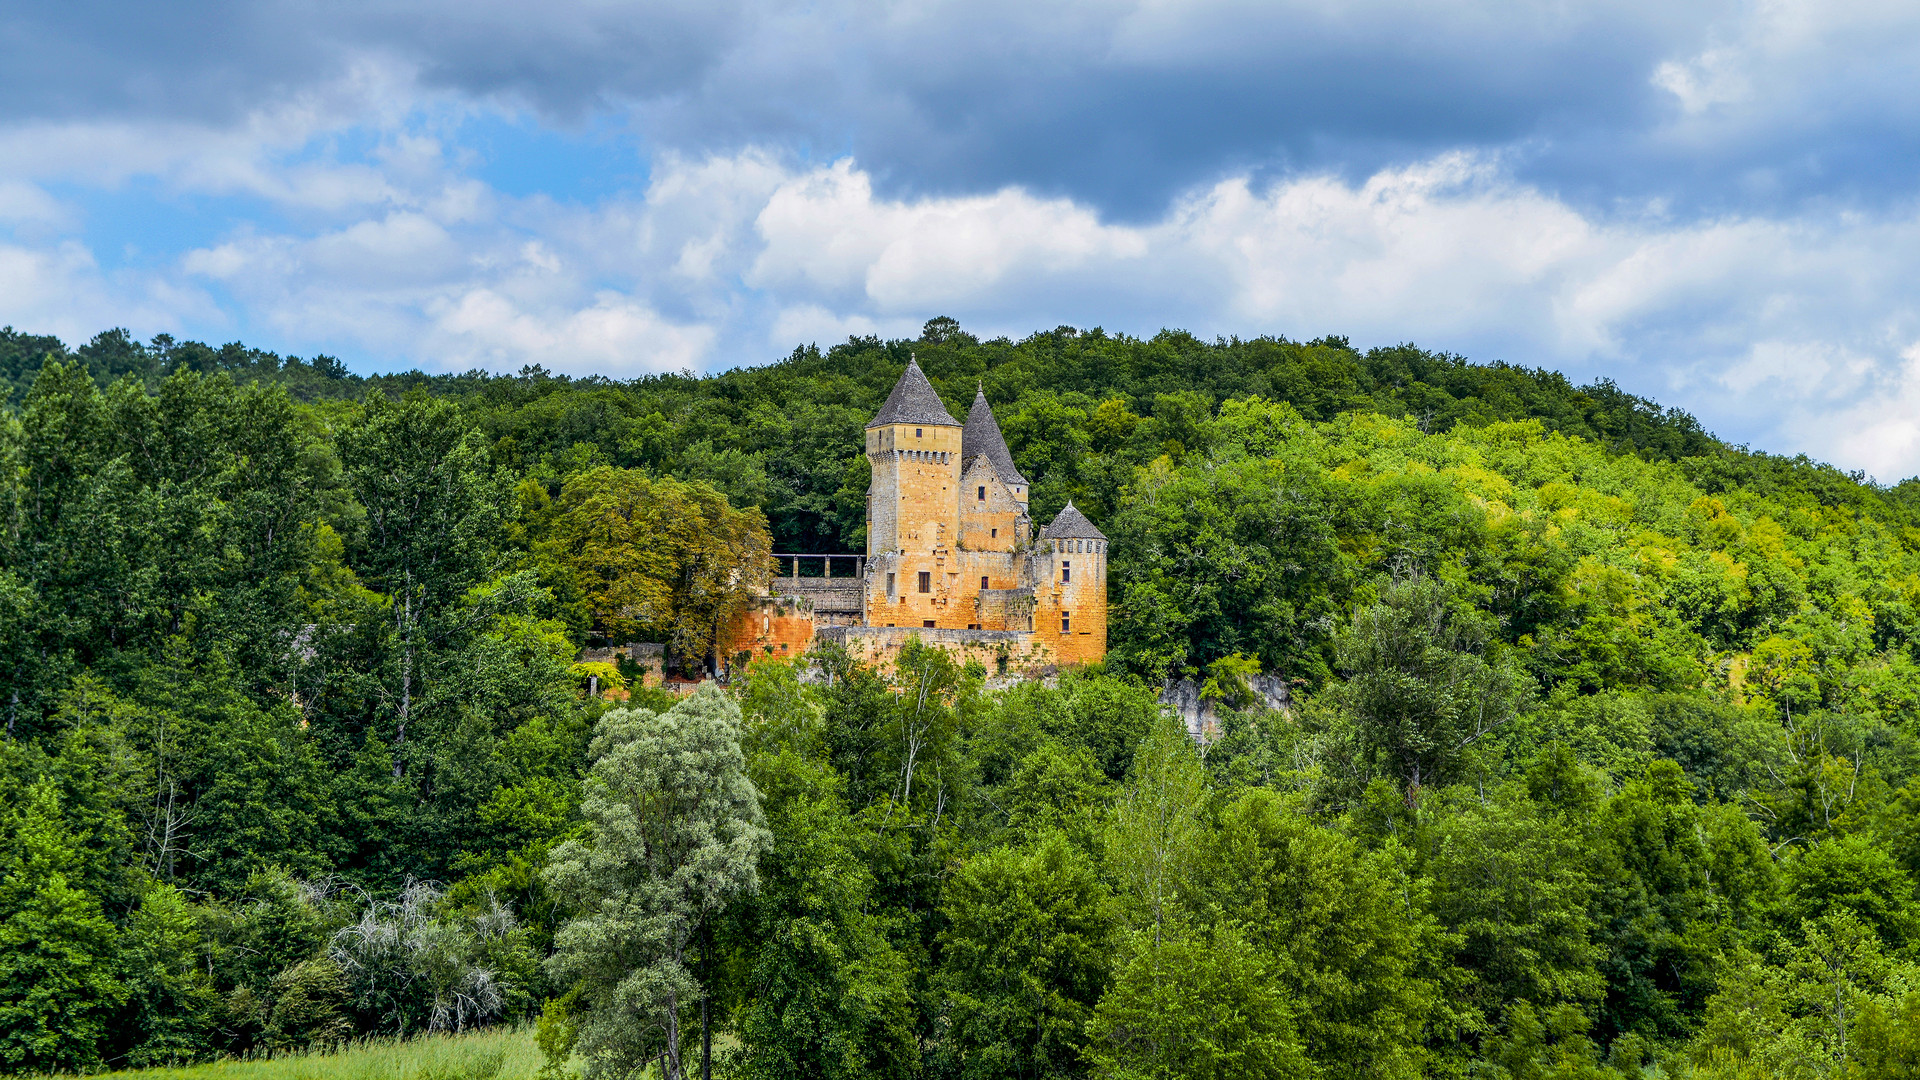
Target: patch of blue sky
column 520, row 157
column 145, row 224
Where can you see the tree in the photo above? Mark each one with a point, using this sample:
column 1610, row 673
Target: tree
column 657, row 556
column 171, row 1004
column 1425, row 681
column 1510, row 889
column 823, row 992
column 411, row 966
column 1342, row 931
column 1024, row 958
column 675, row 830
column 1156, row 822
column 434, row 512
column 1190, row 1004
column 58, row 987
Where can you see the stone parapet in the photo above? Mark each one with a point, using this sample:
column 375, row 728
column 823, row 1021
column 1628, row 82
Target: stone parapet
column 826, row 594
column 1001, row 652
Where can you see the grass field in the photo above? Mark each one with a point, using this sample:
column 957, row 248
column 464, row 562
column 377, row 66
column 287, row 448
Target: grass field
column 497, row 1054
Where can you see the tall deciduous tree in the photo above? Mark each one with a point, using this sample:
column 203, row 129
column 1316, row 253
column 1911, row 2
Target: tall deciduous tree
column 1341, row 930
column 1196, row 1004
column 824, row 994
column 1425, row 681
column 674, row 831
column 1024, row 958
column 433, row 518
column 657, row 556
column 58, row 986
column 1155, row 824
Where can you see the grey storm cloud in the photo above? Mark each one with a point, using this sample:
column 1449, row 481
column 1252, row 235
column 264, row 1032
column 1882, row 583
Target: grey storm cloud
column 1121, row 106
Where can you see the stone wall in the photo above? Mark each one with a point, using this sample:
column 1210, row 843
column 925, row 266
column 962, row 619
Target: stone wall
column 779, row 626
column 997, row 522
column 1001, row 652
column 652, row 660
column 832, row 598
column 1005, row 609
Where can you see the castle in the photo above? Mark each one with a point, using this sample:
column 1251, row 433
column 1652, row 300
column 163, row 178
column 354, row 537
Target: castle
column 951, row 557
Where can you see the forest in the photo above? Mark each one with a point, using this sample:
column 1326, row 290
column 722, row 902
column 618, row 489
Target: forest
column 1600, row 762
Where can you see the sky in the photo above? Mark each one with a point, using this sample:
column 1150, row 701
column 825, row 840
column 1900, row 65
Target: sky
column 1717, row 205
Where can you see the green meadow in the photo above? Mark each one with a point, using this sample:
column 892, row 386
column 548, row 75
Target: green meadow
column 503, row 1053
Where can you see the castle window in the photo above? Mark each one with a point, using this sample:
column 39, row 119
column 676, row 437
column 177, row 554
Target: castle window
column 983, row 493
column 926, row 581
column 996, row 533
column 889, row 584
column 928, row 624
column 983, row 581
column 916, row 433
column 1066, row 572
column 1066, row 622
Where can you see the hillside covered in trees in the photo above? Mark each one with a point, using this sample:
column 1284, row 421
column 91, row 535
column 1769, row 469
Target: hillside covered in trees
column 1602, row 759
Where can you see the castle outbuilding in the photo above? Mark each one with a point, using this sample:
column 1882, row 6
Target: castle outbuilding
column 951, row 556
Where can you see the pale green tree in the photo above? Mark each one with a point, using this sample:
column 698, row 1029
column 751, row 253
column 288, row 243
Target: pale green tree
column 674, row 831
column 1156, row 822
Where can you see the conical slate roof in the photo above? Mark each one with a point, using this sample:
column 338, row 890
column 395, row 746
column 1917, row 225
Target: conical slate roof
column 1071, row 524
column 982, row 436
column 913, row 401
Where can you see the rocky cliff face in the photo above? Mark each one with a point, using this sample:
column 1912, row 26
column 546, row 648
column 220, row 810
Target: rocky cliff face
column 1182, row 698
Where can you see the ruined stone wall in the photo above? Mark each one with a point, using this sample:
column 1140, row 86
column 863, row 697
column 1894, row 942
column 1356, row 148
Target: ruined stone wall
column 836, row 601
column 1005, row 609
column 651, row 659
column 779, row 626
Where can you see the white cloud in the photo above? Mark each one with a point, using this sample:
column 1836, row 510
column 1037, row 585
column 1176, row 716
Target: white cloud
column 1794, row 333
column 825, row 231
column 614, row 336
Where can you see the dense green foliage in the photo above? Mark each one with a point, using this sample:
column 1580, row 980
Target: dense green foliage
column 1601, row 754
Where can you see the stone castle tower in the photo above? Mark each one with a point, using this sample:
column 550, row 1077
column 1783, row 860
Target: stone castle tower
column 951, row 556
column 950, row 542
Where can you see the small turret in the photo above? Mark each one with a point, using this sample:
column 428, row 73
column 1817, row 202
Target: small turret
column 1072, row 560
column 1071, row 524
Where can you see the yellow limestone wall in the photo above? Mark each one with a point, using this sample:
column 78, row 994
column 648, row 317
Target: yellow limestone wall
column 993, row 523
column 1082, row 596
column 778, row 626
column 913, row 501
